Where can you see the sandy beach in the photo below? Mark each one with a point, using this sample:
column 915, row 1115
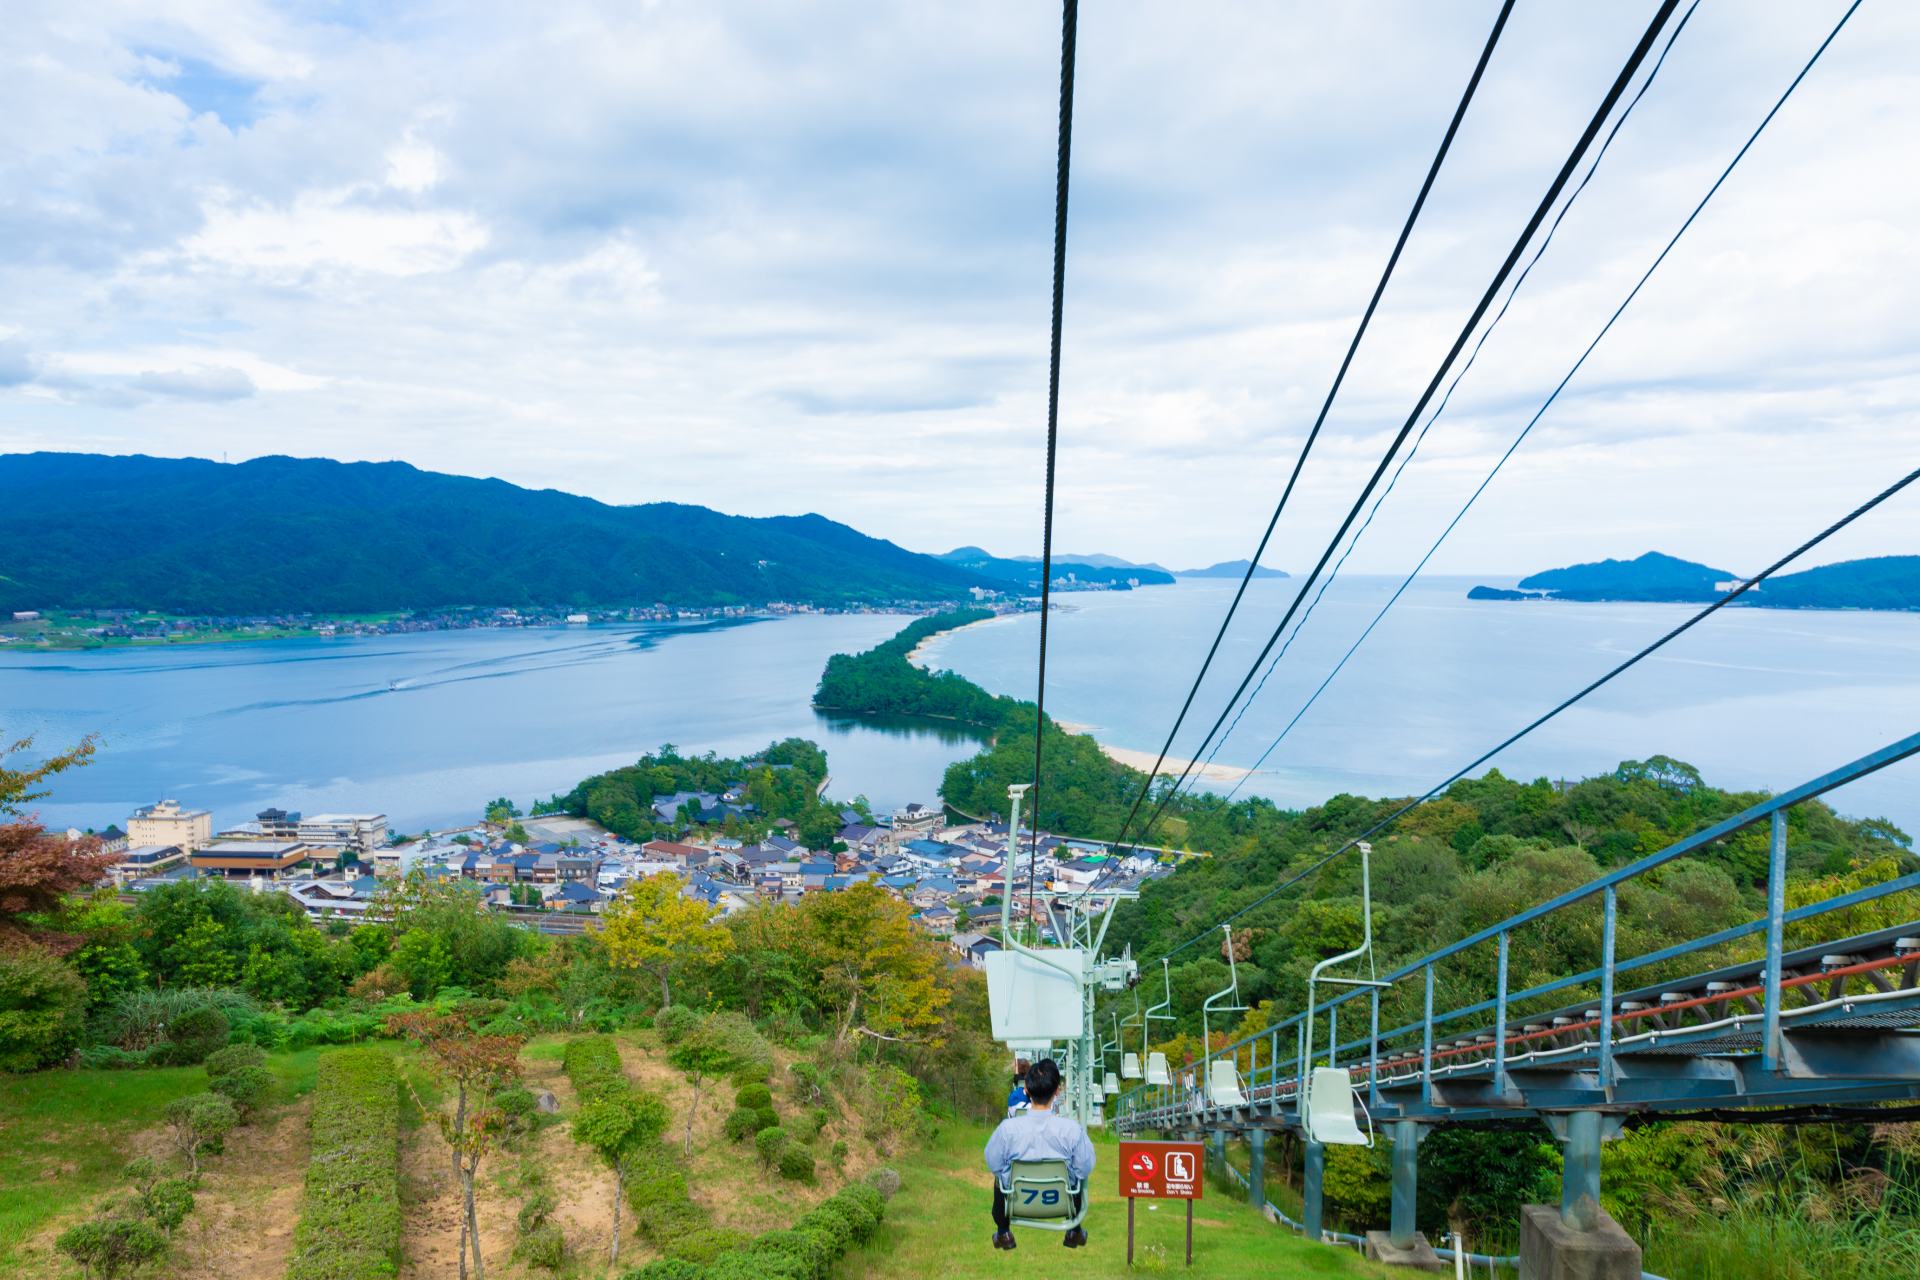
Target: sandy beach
column 1143, row 760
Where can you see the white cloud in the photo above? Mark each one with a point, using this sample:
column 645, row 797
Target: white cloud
column 776, row 260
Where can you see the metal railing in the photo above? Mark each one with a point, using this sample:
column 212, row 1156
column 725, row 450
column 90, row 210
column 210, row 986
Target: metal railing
column 1742, row 1008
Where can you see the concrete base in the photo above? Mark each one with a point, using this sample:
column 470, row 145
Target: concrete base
column 1552, row 1250
column 1419, row 1255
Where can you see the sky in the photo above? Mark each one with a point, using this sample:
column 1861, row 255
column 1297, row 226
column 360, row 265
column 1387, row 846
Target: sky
column 781, row 257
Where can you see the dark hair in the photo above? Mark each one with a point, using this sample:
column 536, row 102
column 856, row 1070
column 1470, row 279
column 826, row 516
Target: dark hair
column 1043, row 1081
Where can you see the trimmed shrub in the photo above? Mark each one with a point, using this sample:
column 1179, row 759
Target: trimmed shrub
column 244, row 1087
column 110, row 1247
column 166, row 1203
column 769, row 1143
column 593, row 1065
column 43, row 1008
column 200, row 1123
column 518, row 1107
column 755, row 1097
column 668, row 1269
column 765, row 1118
column 350, row 1221
column 235, row 1057
column 752, row 1071
column 662, row 1210
column 742, row 1124
column 706, row 1244
column 197, row 1033
column 673, row 1023
column 796, row 1164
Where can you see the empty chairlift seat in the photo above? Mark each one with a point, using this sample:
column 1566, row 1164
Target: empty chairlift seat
column 1223, row 1084
column 1157, row 1072
column 1329, row 1109
column 1041, row 1193
column 1129, row 1066
column 1111, row 1085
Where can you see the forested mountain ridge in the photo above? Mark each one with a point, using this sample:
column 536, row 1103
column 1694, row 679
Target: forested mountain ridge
column 1883, row 582
column 283, row 534
column 1025, row 572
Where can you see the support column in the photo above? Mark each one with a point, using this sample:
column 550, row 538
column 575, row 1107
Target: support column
column 1580, row 1242
column 1257, row 1168
column 1402, row 1244
column 1316, row 1169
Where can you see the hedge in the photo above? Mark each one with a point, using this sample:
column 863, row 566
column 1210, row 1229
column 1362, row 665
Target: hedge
column 663, row 1211
column 593, row 1065
column 805, row 1251
column 350, row 1219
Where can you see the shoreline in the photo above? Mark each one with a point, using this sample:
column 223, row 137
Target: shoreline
column 1143, row 760
column 918, row 652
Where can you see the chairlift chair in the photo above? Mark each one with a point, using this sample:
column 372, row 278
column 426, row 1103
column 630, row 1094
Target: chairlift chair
column 1157, row 1072
column 1327, row 1096
column 1129, row 1066
column 1223, row 1084
column 1110, row 1087
column 1042, row 1194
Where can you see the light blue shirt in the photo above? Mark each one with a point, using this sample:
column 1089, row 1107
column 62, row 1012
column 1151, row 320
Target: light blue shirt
column 1040, row 1135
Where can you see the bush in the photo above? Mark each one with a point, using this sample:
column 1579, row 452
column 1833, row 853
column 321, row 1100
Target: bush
column 518, row 1107
column 167, row 1203
column 796, row 1164
column 200, row 1123
column 535, row 1210
column 110, row 1247
column 765, row 1118
column 350, row 1222
column 769, row 1142
column 43, row 1007
column 885, row 1183
column 107, row 1057
column 543, row 1246
column 245, row 1086
column 755, row 1097
column 146, row 1017
column 593, row 1065
column 752, row 1071
column 839, row 1157
column 235, row 1057
column 197, row 1033
column 706, row 1244
column 662, row 1211
column 742, row 1124
column 673, row 1023
column 668, row 1269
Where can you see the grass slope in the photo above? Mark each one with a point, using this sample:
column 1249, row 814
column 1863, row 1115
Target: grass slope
column 939, row 1226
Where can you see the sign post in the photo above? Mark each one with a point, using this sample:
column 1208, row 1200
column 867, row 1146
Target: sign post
column 1161, row 1171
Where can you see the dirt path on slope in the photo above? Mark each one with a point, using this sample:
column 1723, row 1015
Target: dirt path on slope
column 244, row 1212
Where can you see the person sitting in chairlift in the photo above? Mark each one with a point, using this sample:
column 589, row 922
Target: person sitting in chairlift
column 1038, row 1133
column 1017, row 1096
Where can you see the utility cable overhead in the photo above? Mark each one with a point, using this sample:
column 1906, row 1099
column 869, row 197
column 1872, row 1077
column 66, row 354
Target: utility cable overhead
column 1545, row 405
column 1440, row 410
column 1717, row 605
column 1069, row 27
column 1353, row 346
column 1572, row 162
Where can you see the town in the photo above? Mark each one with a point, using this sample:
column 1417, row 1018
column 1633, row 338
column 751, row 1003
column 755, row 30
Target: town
column 555, row 873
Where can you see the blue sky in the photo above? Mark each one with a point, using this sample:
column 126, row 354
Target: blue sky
column 777, row 258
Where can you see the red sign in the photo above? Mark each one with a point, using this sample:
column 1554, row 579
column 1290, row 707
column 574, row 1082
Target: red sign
column 1161, row 1170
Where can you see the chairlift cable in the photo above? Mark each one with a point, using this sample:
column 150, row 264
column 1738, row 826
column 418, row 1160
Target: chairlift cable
column 1353, row 346
column 1720, row 603
column 1069, row 26
column 1440, row 410
column 1612, row 98
column 1538, row 414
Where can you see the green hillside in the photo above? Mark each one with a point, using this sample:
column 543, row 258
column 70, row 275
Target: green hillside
column 273, row 535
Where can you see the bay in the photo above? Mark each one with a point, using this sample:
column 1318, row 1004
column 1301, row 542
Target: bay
column 428, row 727
column 1754, row 698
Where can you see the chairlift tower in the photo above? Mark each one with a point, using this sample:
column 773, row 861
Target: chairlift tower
column 1045, row 996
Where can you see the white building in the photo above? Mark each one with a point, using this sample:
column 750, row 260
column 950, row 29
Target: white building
column 361, row 832
column 167, row 823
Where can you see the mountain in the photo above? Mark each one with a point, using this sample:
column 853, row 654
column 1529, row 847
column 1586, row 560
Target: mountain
column 280, row 535
column 1231, row 569
column 1098, row 561
column 1025, row 573
column 1885, row 582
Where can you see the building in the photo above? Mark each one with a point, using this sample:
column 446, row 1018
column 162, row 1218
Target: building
column 362, row 833
column 151, row 860
column 277, row 824
column 167, row 823
column 243, row 859
column 917, row 820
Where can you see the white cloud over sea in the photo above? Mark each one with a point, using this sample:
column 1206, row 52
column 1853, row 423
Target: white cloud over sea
column 777, row 258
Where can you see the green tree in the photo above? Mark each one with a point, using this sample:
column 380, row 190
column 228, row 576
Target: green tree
column 619, row 1127
column 199, row 1123
column 710, row 1049
column 653, row 927
column 42, row 1007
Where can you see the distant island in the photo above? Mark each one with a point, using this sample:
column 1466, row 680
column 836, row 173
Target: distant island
column 1231, row 569
column 1882, row 583
column 279, row 535
column 1023, row 573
